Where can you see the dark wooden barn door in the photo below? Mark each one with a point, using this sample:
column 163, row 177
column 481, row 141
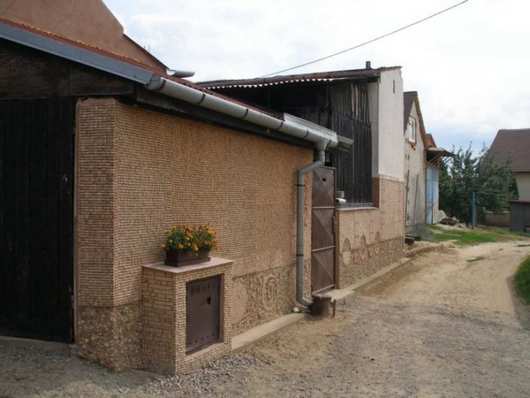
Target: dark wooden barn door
column 322, row 230
column 36, row 218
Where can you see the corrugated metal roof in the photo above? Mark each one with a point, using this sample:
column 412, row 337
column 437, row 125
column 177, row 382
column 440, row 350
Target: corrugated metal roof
column 319, row 77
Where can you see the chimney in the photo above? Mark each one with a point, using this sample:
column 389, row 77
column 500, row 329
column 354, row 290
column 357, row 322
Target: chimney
column 368, row 65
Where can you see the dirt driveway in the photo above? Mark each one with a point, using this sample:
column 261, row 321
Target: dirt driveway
column 447, row 325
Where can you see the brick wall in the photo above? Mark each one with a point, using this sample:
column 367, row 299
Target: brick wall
column 164, row 323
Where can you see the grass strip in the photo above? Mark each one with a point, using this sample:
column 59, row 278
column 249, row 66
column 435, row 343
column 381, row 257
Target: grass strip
column 522, row 280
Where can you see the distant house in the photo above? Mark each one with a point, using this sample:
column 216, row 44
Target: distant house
column 512, row 147
column 422, row 160
column 364, row 106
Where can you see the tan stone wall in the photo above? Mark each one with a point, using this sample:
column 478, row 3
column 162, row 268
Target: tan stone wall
column 370, row 238
column 140, row 172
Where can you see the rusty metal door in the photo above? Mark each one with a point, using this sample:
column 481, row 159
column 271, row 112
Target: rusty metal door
column 203, row 299
column 323, row 230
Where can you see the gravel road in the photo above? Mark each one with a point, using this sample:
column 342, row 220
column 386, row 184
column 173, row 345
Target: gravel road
column 446, row 325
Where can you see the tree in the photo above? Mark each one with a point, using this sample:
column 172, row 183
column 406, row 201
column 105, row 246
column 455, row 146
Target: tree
column 465, row 173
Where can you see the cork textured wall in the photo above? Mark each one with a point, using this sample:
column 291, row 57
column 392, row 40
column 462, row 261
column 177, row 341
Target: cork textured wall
column 371, row 238
column 170, row 170
column 140, row 172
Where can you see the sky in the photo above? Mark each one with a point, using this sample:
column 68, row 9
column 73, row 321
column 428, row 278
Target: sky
column 471, row 66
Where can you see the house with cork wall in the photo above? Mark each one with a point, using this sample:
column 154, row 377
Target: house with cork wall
column 103, row 151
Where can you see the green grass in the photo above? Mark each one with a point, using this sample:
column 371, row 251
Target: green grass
column 522, row 280
column 467, row 237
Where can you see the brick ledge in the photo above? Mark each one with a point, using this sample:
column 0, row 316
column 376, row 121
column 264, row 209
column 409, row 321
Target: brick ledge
column 212, row 263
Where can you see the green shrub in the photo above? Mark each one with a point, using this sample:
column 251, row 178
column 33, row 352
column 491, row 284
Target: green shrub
column 522, row 280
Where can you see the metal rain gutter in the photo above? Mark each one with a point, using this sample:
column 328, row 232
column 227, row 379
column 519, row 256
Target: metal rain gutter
column 319, row 135
column 290, row 125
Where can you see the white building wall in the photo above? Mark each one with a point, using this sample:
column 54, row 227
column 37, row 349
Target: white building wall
column 414, row 175
column 386, row 113
column 523, row 185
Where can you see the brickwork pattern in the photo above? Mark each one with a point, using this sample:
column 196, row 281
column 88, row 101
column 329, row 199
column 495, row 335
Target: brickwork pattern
column 94, row 202
column 371, row 238
column 164, row 309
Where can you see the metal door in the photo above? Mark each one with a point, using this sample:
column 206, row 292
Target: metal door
column 202, row 313
column 36, row 218
column 323, row 230
column 431, row 194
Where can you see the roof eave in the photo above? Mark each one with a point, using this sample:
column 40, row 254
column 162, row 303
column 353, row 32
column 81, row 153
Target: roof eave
column 75, row 54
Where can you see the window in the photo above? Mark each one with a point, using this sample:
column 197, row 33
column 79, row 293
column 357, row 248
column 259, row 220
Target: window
column 411, row 130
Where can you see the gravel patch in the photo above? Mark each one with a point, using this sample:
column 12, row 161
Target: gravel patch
column 439, row 327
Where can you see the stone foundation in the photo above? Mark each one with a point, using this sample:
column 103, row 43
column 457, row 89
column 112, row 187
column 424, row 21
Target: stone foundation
column 110, row 335
column 370, row 238
column 360, row 263
column 262, row 296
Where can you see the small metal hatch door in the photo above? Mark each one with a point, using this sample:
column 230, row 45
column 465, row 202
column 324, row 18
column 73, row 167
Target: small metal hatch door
column 202, row 313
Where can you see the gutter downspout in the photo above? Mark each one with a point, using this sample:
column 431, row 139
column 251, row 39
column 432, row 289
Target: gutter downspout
column 300, row 197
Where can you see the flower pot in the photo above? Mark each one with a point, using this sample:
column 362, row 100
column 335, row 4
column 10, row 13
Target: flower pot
column 177, row 258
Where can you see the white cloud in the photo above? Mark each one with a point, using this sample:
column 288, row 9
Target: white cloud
column 470, row 65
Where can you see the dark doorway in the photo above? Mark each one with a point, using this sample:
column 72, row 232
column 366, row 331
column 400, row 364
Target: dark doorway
column 323, row 230
column 36, row 218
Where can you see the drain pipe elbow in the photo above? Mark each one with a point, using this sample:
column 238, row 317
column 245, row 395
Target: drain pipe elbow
column 300, row 223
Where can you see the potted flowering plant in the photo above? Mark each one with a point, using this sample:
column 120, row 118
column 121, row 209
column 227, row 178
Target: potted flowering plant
column 186, row 245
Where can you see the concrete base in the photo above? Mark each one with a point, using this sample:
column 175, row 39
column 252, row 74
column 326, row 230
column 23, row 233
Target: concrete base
column 261, row 331
column 344, row 296
column 38, row 345
column 348, row 293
